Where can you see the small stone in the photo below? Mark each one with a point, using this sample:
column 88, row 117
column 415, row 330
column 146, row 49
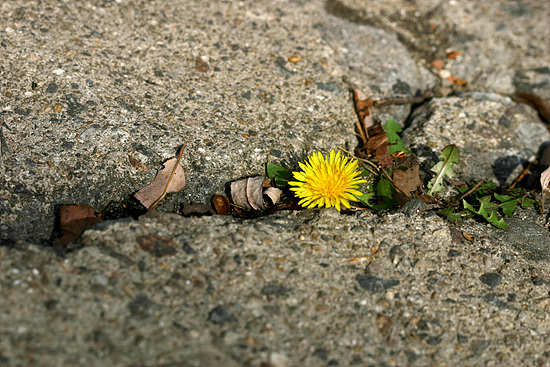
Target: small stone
column 275, row 290
column 52, row 88
column 538, row 281
column 101, row 279
column 142, row 306
column 383, row 323
column 219, row 315
column 453, row 253
column 321, row 353
column 188, row 249
column 491, row 279
column 375, row 285
column 414, row 207
column 279, row 360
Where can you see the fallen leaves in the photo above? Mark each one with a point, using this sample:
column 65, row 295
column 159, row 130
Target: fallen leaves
column 249, row 193
column 406, row 175
column 170, row 179
column 545, row 184
column 73, row 220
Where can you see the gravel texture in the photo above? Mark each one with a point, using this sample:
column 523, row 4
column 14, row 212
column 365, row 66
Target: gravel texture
column 96, row 95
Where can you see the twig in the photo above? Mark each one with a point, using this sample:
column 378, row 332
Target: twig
column 360, row 159
column 403, row 100
column 473, row 189
column 169, row 179
column 361, row 132
column 521, row 176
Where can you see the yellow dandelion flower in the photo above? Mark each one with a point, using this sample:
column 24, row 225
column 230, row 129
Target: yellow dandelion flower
column 327, row 181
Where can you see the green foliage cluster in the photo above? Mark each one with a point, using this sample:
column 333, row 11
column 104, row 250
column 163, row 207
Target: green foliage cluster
column 484, row 201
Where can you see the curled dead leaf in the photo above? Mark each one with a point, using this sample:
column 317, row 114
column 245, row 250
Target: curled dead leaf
column 541, row 105
column 545, row 184
column 274, row 194
column 249, row 193
column 406, row 175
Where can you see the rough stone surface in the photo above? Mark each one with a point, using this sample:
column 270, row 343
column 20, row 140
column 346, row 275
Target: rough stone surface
column 496, row 138
column 96, row 95
column 503, row 45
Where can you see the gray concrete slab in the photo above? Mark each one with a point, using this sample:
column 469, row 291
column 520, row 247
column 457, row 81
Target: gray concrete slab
column 96, row 95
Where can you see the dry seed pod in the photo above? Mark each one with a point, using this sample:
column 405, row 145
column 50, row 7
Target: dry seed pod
column 221, row 204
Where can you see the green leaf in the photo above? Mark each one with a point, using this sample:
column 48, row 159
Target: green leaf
column 509, row 207
column 385, row 189
column 487, row 212
column 488, row 186
column 526, row 203
column 450, row 214
column 463, row 190
column 280, row 174
column 503, row 198
column 366, row 197
column 392, row 132
column 449, row 156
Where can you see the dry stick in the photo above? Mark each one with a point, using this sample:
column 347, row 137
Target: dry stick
column 521, row 176
column 169, row 179
column 473, row 189
column 360, row 159
column 403, row 100
column 361, row 131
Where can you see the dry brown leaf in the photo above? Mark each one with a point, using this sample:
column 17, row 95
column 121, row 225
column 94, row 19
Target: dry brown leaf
column 249, row 193
column 545, row 182
column 196, row 209
column 405, row 175
column 274, row 194
column 73, row 220
column 169, row 179
column 362, row 108
column 377, row 147
column 254, row 192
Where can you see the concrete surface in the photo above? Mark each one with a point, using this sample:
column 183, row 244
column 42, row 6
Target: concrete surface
column 95, row 95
